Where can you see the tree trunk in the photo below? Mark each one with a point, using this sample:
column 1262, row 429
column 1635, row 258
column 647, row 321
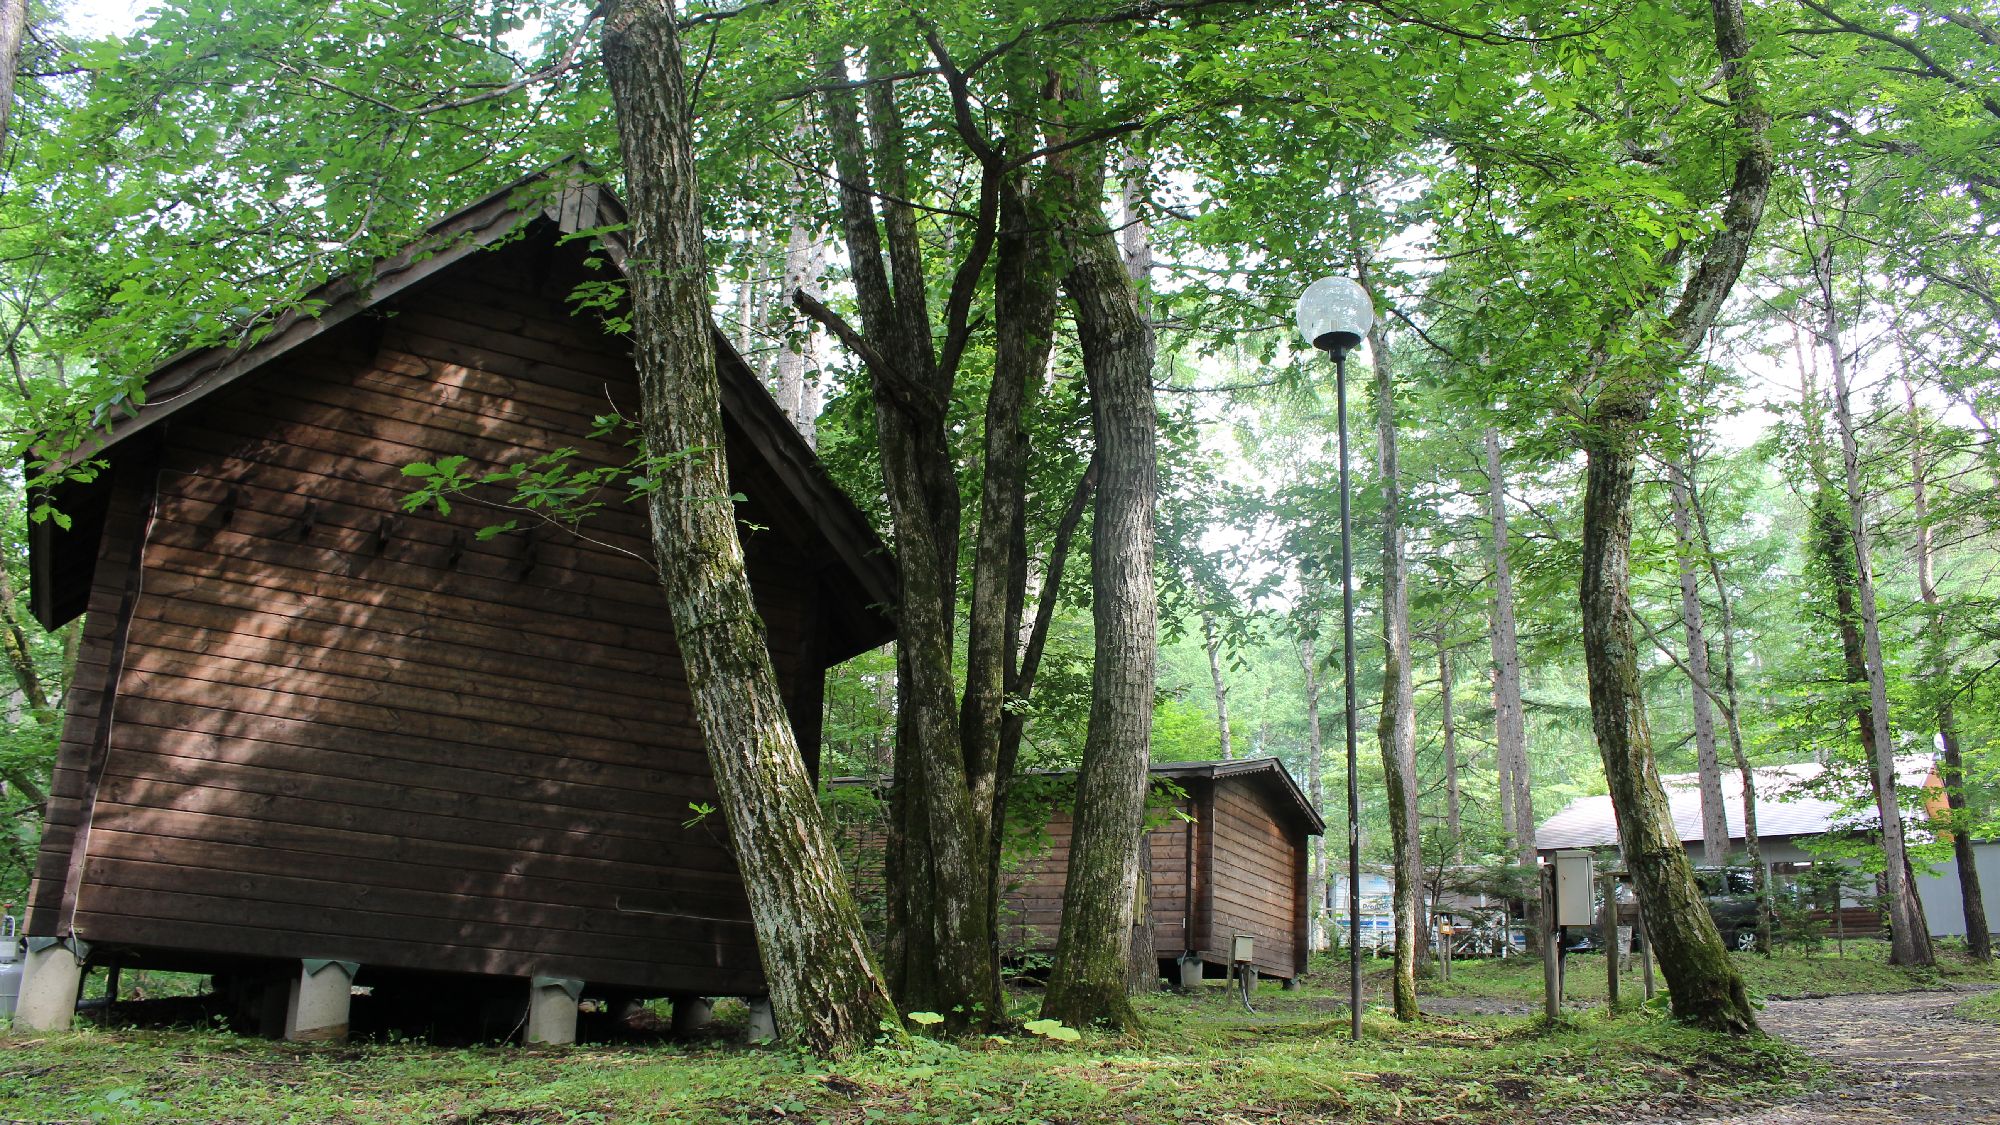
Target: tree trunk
column 1449, row 729
column 1703, row 985
column 1714, row 813
column 13, row 28
column 1315, row 785
column 805, row 263
column 1732, row 717
column 1087, row 978
column 1211, row 642
column 1517, row 810
column 1395, row 732
column 1909, row 938
column 940, row 954
column 1978, row 940
column 825, row 991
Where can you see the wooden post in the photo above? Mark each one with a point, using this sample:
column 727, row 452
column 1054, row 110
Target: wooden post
column 1551, row 946
column 1645, row 953
column 1608, row 925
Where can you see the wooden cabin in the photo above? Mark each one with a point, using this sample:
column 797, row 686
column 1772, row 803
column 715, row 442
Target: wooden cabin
column 311, row 727
column 1233, row 862
column 1227, row 856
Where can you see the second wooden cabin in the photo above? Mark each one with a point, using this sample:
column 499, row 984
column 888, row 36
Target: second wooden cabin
column 1228, row 859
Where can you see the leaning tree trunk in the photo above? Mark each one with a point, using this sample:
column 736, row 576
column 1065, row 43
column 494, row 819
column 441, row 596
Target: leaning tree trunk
column 1087, row 978
column 1909, row 935
column 1978, row 939
column 825, row 991
column 1704, row 987
column 1714, row 813
column 1510, row 755
column 1395, row 732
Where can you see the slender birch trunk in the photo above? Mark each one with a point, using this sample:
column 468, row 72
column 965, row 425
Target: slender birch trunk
column 1395, row 732
column 1449, row 730
column 1732, row 718
column 1910, row 940
column 1978, row 939
column 825, row 991
column 1509, row 719
column 1714, row 813
column 1315, row 783
column 1211, row 642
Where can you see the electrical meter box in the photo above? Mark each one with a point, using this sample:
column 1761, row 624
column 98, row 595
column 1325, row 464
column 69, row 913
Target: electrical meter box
column 1573, row 887
column 1242, row 949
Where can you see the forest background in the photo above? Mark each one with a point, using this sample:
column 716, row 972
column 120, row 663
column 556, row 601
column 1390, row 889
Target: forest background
column 1508, row 180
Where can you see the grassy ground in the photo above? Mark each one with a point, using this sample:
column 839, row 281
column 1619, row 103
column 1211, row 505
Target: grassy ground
column 1203, row 1060
column 1984, row 1007
column 1862, row 967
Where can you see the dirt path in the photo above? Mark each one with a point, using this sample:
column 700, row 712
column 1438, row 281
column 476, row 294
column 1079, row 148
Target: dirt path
column 1904, row 1056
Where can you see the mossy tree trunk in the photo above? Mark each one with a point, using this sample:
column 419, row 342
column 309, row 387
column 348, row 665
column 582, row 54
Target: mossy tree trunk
column 1395, row 732
column 825, row 991
column 1705, row 988
column 1088, row 976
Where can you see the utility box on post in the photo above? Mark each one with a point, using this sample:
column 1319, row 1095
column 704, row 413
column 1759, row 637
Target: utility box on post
column 1573, row 887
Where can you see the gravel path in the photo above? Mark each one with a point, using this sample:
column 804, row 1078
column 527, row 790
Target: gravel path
column 1906, row 1059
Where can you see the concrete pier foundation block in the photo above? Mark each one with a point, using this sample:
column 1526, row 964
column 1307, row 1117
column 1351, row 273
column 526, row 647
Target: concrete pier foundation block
column 1191, row 972
column 552, row 1010
column 763, row 1025
column 51, row 978
column 692, row 1013
column 317, row 1005
column 1293, row 984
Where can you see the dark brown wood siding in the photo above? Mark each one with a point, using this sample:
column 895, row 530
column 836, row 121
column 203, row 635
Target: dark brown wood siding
column 1254, row 882
column 1245, row 874
column 1031, row 912
column 344, row 730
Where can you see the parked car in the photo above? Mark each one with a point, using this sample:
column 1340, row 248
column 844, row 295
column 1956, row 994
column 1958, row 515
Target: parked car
column 1731, row 895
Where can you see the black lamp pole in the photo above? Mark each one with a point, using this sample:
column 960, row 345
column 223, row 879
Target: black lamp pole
column 1338, row 344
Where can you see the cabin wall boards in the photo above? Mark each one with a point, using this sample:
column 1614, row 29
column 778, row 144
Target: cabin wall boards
column 308, row 723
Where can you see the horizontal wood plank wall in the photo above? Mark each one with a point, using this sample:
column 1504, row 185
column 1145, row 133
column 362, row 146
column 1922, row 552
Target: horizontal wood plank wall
column 1031, row 914
column 44, row 913
column 349, row 731
column 1254, row 877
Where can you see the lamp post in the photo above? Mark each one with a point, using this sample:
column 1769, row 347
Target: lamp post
column 1334, row 314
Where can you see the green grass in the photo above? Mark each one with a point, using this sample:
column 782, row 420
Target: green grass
column 1862, row 967
column 1202, row 1059
column 1984, row 1007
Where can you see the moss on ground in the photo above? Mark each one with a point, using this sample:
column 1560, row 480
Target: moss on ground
column 1201, row 1060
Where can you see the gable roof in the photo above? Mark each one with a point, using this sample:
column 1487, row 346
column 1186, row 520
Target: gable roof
column 554, row 203
column 1783, row 807
column 1269, row 772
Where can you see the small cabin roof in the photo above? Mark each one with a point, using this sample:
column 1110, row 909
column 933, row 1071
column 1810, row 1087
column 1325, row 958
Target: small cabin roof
column 1269, row 772
column 553, row 204
column 1785, row 807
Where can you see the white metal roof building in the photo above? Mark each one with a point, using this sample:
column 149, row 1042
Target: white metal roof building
column 1787, row 807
